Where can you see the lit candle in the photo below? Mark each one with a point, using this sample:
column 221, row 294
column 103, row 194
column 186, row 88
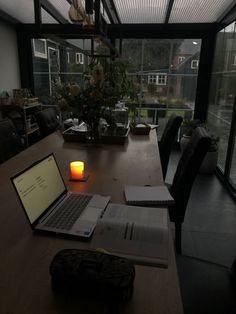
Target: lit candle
column 77, row 170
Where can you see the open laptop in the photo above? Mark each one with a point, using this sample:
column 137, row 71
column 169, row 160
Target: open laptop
column 50, row 207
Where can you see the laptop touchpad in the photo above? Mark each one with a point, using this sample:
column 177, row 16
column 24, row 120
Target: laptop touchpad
column 91, row 214
column 99, row 201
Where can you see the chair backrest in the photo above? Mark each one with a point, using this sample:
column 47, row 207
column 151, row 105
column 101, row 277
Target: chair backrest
column 168, row 139
column 10, row 142
column 47, row 121
column 187, row 171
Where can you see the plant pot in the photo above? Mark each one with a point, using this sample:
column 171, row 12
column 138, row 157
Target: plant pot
column 209, row 163
column 184, row 142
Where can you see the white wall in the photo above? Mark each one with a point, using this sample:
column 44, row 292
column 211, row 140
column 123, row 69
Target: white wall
column 9, row 64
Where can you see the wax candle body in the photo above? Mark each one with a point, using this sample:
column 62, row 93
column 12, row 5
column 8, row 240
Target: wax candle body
column 77, row 170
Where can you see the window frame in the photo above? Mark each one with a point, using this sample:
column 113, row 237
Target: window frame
column 39, row 54
column 160, row 78
column 192, row 62
column 157, row 79
column 79, row 58
column 152, row 79
column 181, row 59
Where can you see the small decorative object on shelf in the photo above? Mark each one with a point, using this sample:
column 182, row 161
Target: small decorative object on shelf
column 21, row 93
column 4, row 98
column 23, row 97
column 28, row 123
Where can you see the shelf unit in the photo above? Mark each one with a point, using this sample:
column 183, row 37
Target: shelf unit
column 23, row 118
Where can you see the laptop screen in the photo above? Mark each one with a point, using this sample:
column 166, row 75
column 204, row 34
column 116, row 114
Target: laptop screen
column 39, row 186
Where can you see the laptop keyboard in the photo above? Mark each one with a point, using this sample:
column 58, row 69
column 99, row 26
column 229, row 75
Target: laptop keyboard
column 69, row 212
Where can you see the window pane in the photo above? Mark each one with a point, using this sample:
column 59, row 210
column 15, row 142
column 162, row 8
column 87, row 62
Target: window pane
column 222, row 94
column 164, row 77
column 65, row 63
column 132, row 51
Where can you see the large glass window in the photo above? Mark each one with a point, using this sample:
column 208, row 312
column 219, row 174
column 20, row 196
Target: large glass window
column 165, row 74
column 66, row 61
column 53, row 61
column 221, row 101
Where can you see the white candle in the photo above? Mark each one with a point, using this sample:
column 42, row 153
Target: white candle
column 77, row 170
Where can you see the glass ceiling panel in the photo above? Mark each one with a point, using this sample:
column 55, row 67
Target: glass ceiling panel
column 131, row 11
column 141, row 11
column 62, row 6
column 197, row 11
column 47, row 18
column 22, row 10
column 104, row 14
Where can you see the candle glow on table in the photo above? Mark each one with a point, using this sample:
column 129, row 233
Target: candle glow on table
column 77, row 170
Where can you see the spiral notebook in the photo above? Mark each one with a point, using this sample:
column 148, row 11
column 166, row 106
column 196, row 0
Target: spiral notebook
column 148, row 195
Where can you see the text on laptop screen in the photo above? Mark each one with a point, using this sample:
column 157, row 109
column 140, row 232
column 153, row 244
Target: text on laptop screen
column 39, row 186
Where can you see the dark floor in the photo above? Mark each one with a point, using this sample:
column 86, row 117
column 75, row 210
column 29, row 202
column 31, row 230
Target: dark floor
column 208, row 246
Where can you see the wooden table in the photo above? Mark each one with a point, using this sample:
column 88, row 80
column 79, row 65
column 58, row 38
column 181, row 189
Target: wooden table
column 25, row 285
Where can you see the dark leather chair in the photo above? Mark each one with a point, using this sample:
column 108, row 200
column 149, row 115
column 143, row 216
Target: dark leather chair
column 206, row 287
column 184, row 177
column 47, row 121
column 168, row 139
column 10, row 142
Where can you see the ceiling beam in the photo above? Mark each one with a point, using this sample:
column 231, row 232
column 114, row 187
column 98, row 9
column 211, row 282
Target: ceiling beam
column 168, row 11
column 53, row 12
column 160, row 30
column 37, row 12
column 122, row 30
column 111, row 11
column 59, row 30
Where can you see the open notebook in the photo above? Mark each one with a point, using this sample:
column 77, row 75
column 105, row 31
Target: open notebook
column 148, row 195
column 138, row 233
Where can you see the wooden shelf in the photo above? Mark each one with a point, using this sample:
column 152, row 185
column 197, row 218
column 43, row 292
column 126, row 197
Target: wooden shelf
column 20, row 116
column 30, row 131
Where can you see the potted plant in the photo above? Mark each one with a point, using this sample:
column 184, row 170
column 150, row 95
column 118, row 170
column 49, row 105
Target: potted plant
column 187, row 128
column 106, row 83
